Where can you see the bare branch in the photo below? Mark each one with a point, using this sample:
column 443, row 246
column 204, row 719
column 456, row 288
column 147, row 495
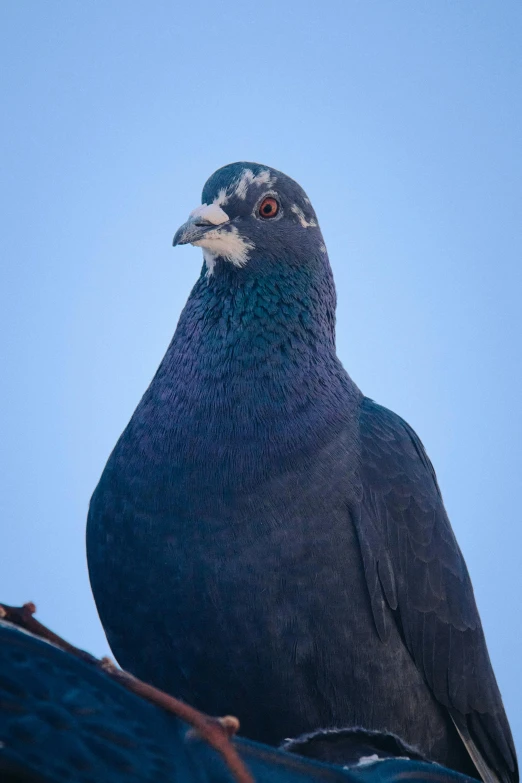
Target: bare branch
column 216, row 731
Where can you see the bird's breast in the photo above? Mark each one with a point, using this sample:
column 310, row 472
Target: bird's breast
column 198, row 536
column 202, row 588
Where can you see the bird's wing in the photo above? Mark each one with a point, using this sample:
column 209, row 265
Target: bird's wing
column 413, row 565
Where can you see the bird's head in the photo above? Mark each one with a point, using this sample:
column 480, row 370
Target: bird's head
column 252, row 214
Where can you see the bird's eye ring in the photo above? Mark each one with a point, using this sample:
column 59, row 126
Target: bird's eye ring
column 268, row 208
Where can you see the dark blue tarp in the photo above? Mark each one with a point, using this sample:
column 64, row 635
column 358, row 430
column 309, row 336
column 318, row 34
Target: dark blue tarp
column 63, row 720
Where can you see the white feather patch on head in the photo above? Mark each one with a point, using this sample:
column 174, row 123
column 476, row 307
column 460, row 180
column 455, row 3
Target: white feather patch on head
column 302, row 219
column 229, row 244
column 248, row 178
column 221, row 198
column 211, row 212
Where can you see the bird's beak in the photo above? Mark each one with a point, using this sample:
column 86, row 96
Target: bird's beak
column 202, row 220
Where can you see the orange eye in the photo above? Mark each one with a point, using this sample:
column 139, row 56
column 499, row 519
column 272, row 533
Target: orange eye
column 268, row 207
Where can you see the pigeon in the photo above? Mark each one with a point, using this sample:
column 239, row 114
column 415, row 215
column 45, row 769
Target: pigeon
column 267, row 541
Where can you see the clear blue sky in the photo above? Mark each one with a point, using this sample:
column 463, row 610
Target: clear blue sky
column 403, row 121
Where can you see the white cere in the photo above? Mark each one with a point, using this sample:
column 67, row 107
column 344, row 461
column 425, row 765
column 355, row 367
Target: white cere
column 302, row 219
column 211, row 212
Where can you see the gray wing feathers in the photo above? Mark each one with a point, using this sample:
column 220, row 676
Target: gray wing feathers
column 414, row 567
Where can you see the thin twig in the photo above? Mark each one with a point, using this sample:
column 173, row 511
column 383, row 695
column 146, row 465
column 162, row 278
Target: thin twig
column 216, row 731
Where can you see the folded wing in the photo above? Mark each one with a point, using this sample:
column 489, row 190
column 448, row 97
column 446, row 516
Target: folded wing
column 413, row 566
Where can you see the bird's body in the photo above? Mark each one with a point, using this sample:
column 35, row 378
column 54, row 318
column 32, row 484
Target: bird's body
column 267, row 541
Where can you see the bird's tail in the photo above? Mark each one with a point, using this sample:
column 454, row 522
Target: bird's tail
column 485, row 772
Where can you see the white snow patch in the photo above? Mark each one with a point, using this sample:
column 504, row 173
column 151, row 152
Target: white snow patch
column 372, row 759
column 211, row 212
column 228, row 244
column 322, row 248
column 369, row 760
column 302, row 219
column 248, row 178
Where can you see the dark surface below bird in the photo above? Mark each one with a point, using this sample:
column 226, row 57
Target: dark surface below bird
column 62, row 720
column 268, row 542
